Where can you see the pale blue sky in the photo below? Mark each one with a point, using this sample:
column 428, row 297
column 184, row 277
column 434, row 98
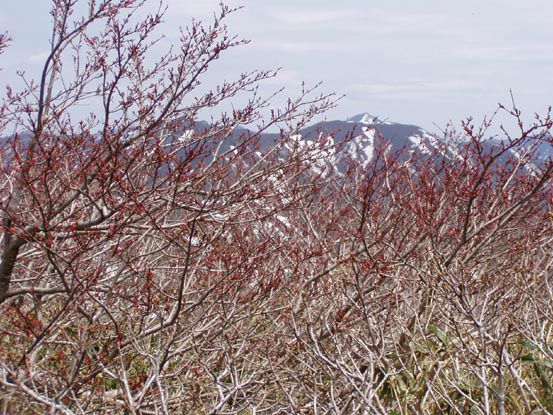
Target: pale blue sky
column 421, row 62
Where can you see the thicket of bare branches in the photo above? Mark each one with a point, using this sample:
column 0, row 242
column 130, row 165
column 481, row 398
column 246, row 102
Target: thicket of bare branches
column 153, row 265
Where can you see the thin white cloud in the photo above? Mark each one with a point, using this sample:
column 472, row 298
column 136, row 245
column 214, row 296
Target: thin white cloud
column 404, row 89
column 37, row 58
column 285, row 77
column 196, row 8
column 306, row 46
column 313, row 17
column 512, row 53
column 413, row 19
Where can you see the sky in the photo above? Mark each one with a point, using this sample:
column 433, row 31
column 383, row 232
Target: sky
column 424, row 62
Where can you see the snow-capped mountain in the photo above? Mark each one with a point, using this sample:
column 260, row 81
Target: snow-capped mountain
column 358, row 138
column 361, row 136
column 363, row 132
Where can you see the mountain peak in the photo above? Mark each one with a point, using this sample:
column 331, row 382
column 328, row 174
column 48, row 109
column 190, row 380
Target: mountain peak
column 365, row 118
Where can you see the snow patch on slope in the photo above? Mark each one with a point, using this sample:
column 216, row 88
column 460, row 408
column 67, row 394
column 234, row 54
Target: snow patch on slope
column 361, row 147
column 425, row 143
